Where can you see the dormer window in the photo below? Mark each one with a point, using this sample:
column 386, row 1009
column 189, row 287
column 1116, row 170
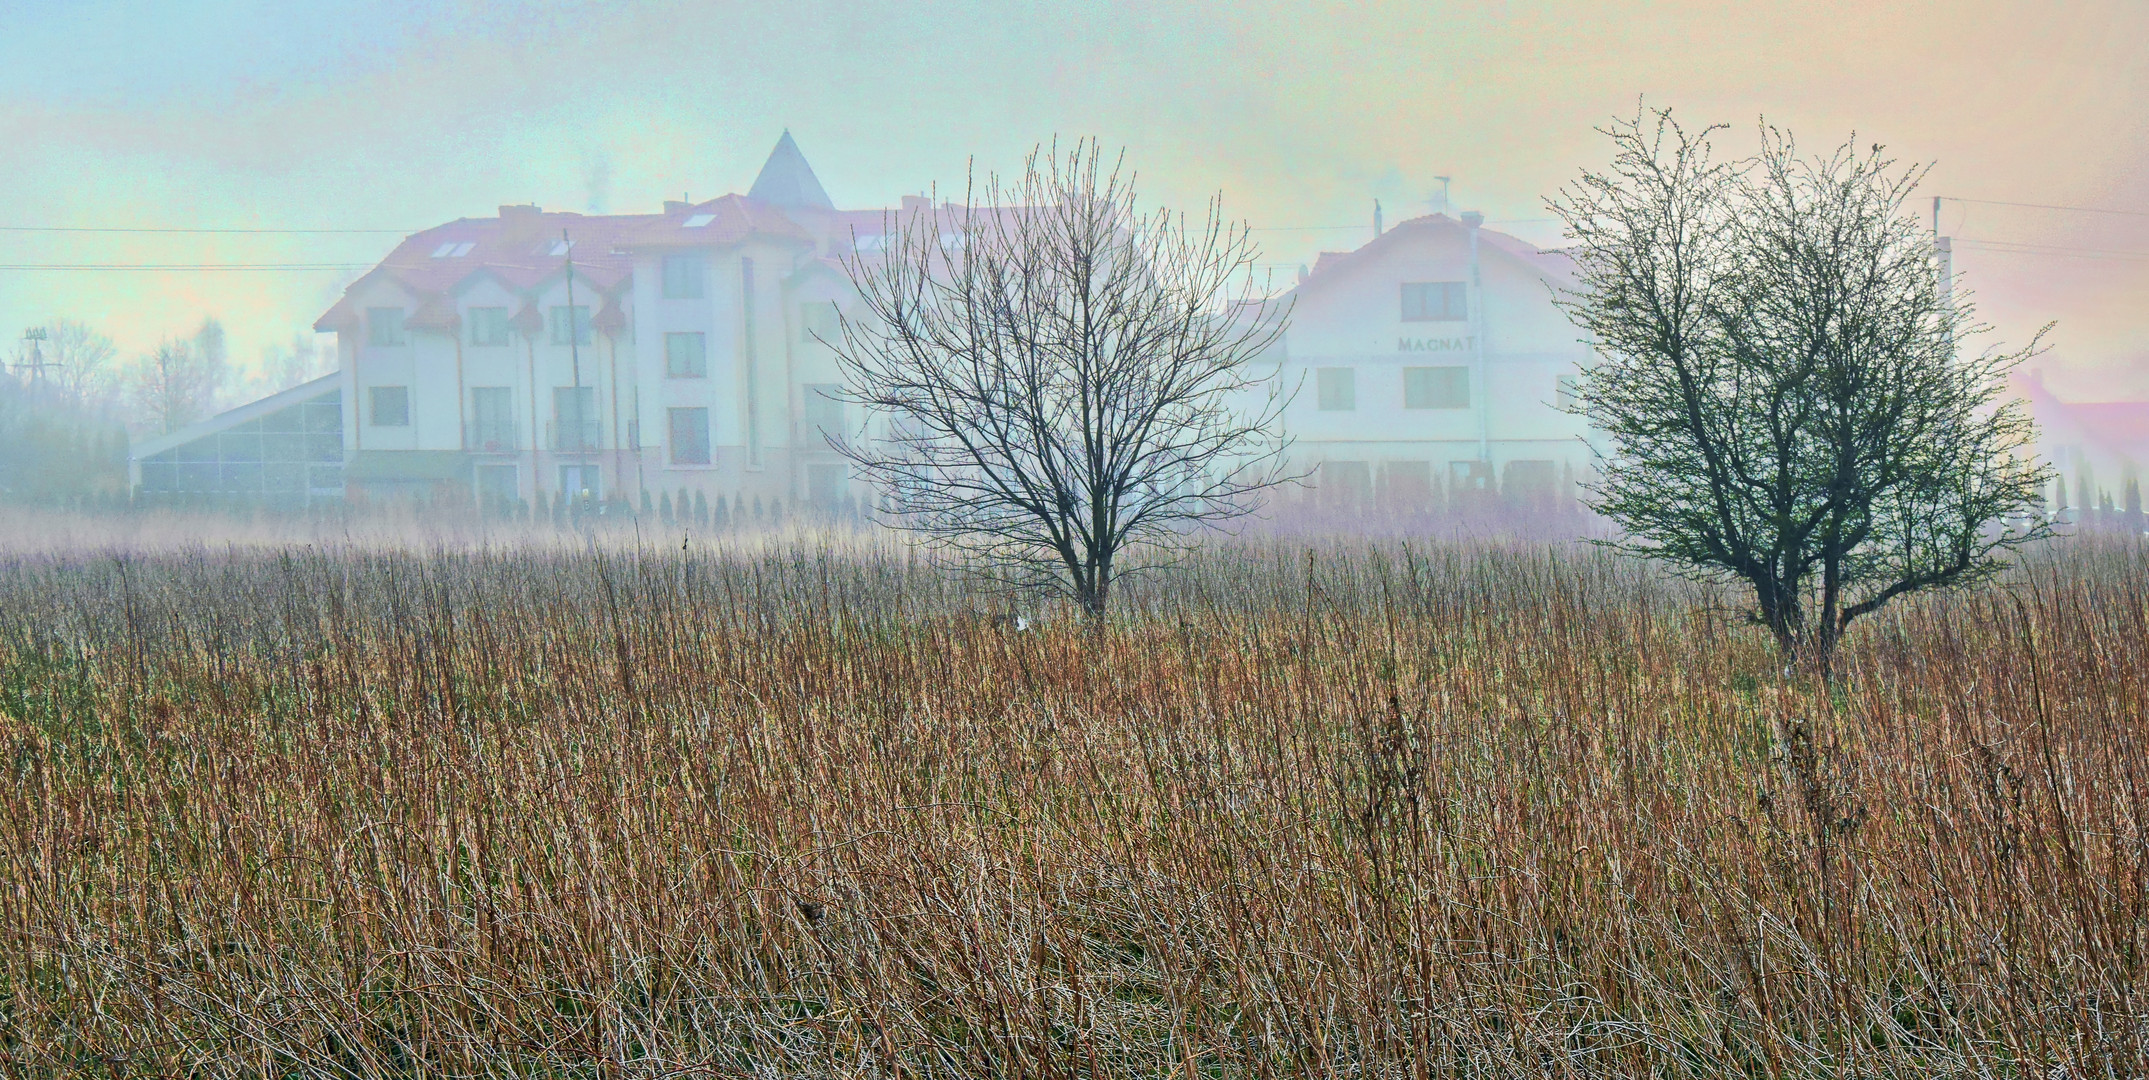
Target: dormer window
column 698, row 221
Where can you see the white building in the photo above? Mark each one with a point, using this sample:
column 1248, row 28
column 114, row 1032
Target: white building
column 537, row 353
column 1432, row 363
column 562, row 353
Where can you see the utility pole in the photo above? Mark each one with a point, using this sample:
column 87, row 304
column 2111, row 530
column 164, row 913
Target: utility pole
column 34, row 367
column 1943, row 252
column 1474, row 311
column 574, row 329
column 574, row 356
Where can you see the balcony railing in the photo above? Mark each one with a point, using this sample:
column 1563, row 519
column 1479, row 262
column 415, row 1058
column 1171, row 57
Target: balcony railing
column 493, row 441
column 571, row 438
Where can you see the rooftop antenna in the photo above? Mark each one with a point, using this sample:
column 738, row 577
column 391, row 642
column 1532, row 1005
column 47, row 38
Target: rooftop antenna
column 1443, row 192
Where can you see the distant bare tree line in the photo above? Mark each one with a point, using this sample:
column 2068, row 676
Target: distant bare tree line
column 182, row 379
column 69, row 402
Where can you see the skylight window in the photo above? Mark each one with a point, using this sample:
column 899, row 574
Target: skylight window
column 463, row 248
column 562, row 247
column 453, row 250
column 699, row 220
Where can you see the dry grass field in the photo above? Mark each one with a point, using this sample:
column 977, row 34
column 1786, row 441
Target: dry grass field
column 1358, row 810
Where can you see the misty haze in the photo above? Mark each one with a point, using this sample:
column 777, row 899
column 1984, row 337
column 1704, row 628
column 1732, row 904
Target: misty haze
column 550, row 539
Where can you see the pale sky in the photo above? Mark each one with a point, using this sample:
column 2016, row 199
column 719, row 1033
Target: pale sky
column 400, row 114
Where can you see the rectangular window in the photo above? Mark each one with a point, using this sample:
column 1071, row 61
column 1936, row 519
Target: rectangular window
column 492, row 418
column 1436, row 388
column 488, row 326
column 818, row 321
column 683, row 277
column 1337, row 388
column 686, row 356
column 390, row 405
column 690, row 436
column 574, row 418
column 822, row 411
column 579, row 481
column 560, row 315
column 384, row 326
column 1435, row 301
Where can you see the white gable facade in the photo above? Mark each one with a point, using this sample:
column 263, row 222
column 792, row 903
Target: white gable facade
column 1432, row 371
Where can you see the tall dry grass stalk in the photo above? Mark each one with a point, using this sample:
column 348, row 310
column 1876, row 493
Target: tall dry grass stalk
column 1359, row 811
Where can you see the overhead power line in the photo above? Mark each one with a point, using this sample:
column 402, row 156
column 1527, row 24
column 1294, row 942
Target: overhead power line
column 1364, row 226
column 186, row 267
column 2049, row 206
column 150, row 229
column 2011, row 247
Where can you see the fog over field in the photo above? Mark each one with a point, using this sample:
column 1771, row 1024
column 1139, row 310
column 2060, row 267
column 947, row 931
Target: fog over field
column 1074, row 541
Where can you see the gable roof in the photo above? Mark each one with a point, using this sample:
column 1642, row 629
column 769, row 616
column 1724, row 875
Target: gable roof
column 1550, row 264
column 2119, row 428
column 787, row 181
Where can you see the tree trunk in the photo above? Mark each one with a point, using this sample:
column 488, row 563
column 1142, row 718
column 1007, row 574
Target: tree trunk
column 1094, row 590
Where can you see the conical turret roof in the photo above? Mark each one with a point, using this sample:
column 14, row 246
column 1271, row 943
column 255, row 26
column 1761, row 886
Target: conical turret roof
column 786, row 180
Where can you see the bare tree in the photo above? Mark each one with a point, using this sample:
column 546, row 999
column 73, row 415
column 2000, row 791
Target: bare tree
column 79, row 365
column 1065, row 383
column 170, row 387
column 212, row 357
column 285, row 366
column 1781, row 374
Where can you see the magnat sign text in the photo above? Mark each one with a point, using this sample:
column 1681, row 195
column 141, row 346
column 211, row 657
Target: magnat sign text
column 1436, row 344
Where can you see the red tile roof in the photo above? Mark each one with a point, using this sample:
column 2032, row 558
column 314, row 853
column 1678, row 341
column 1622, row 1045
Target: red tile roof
column 517, row 249
column 2114, row 427
column 2117, row 424
column 1551, row 263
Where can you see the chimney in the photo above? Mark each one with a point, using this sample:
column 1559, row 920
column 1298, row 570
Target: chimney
column 676, row 206
column 1473, row 219
column 1376, row 219
column 913, row 204
column 523, row 222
